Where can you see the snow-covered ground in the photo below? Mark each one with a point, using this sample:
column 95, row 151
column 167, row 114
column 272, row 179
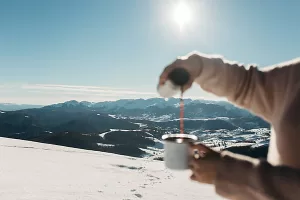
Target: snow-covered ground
column 35, row 171
column 119, row 130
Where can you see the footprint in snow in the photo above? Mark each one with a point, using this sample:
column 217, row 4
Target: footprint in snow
column 138, row 195
column 149, row 175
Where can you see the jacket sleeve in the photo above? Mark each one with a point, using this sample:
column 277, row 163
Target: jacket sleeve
column 241, row 177
column 258, row 90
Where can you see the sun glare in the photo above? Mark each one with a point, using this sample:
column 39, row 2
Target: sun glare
column 182, row 14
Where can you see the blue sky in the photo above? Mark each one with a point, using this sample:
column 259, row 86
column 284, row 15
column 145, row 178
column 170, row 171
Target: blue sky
column 98, row 50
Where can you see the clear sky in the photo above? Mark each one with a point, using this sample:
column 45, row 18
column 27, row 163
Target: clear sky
column 97, row 50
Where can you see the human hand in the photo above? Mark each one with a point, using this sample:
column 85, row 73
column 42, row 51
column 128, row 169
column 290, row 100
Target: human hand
column 203, row 163
column 191, row 63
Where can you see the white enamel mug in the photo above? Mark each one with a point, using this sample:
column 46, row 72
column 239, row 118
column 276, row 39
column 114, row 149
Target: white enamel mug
column 176, row 150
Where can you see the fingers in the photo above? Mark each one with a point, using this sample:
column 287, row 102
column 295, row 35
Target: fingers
column 198, row 169
column 203, row 166
column 164, row 75
column 199, row 147
column 194, row 163
column 191, row 166
column 176, row 64
column 196, row 158
column 193, row 177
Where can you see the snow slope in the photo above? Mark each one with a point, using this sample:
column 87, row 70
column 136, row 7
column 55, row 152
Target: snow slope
column 38, row 171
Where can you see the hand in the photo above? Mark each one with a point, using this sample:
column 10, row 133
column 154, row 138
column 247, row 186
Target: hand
column 192, row 63
column 203, row 163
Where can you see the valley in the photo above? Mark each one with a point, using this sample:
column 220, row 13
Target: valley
column 134, row 127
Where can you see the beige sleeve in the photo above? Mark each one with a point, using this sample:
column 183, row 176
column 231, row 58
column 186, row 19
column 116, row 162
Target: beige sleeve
column 260, row 92
column 241, row 177
column 269, row 93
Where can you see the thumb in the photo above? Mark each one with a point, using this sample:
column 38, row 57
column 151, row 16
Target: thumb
column 199, row 146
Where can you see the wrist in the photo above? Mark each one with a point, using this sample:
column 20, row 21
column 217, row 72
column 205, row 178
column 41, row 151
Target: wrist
column 196, row 62
column 210, row 66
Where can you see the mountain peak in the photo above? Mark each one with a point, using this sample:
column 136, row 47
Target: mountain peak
column 71, row 102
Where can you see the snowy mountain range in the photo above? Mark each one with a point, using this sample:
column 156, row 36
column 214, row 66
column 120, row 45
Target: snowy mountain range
column 135, row 127
column 158, row 108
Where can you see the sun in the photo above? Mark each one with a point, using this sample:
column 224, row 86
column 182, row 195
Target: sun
column 182, row 14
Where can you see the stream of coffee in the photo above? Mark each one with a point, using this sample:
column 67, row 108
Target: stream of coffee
column 181, row 116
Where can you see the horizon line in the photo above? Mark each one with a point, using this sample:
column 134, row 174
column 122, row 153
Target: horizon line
column 166, row 99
